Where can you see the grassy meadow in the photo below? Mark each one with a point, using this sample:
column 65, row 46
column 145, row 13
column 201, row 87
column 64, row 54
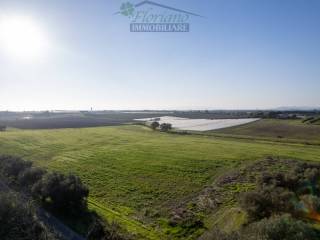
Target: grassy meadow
column 136, row 176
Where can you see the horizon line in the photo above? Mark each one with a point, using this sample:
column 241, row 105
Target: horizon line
column 169, row 110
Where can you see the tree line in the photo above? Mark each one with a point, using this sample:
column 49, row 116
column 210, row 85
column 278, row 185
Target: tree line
column 164, row 127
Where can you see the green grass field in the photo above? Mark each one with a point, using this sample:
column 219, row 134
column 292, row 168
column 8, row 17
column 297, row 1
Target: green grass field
column 131, row 170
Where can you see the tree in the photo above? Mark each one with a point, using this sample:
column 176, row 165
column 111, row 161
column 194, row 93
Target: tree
column 258, row 205
column 18, row 220
column 165, row 127
column 66, row 193
column 30, row 176
column 13, row 166
column 282, row 228
column 275, row 228
column 154, row 125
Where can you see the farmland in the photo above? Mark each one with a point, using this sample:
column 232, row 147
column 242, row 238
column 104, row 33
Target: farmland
column 137, row 176
column 282, row 130
column 76, row 119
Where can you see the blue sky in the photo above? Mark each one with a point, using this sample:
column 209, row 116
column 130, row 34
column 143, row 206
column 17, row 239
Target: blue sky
column 243, row 54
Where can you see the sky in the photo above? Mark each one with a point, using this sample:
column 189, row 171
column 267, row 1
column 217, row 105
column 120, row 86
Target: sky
column 78, row 54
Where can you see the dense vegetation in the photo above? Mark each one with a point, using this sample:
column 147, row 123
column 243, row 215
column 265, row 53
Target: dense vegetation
column 154, row 125
column 296, row 192
column 18, row 220
column 275, row 228
column 284, row 205
column 63, row 195
column 165, row 127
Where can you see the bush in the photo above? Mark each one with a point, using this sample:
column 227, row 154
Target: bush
column 103, row 231
column 165, row 127
column 154, row 125
column 66, row 193
column 64, row 196
column 284, row 193
column 274, row 228
column 282, row 228
column 217, row 234
column 18, row 220
column 30, row 176
column 13, row 166
column 3, row 128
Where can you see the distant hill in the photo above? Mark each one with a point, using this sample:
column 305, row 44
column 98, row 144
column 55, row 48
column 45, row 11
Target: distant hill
column 297, row 108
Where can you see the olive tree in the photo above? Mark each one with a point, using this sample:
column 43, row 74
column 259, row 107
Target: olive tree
column 165, row 127
column 154, row 125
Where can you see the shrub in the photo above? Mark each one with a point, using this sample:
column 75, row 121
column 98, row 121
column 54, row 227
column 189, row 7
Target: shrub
column 65, row 196
column 154, row 125
column 30, row 176
column 274, row 228
column 103, row 231
column 258, row 205
column 65, row 193
column 281, row 193
column 18, row 220
column 217, row 234
column 13, row 166
column 282, row 228
column 165, row 127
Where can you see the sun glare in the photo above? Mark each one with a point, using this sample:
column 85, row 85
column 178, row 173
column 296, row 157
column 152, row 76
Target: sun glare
column 22, row 38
